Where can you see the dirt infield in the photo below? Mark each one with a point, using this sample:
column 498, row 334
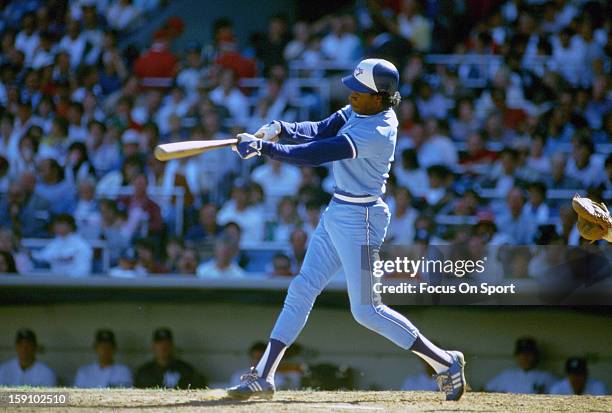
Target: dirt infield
column 311, row 401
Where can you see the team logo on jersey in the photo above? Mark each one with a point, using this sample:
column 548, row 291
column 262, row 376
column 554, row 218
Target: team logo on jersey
column 358, row 71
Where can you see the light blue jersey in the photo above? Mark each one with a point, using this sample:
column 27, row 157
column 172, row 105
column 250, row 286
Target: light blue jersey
column 373, row 141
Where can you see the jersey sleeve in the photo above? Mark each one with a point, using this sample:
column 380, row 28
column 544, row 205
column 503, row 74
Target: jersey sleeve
column 367, row 139
column 302, row 132
column 312, row 153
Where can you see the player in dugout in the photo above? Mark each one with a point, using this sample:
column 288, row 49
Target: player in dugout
column 360, row 140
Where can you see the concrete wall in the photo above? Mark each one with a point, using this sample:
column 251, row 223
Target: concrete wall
column 214, row 336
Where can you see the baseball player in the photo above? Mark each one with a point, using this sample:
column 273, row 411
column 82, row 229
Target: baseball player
column 360, row 141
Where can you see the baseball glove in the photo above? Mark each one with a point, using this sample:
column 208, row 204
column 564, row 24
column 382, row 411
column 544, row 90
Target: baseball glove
column 594, row 220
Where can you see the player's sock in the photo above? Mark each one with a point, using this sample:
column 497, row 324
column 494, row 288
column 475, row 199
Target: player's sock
column 270, row 360
column 437, row 358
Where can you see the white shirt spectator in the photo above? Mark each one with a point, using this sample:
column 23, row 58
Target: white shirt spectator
column 341, row 49
column 420, row 382
column 592, row 388
column 438, row 150
column 401, row 229
column 541, row 214
column 276, row 184
column 417, row 29
column 569, row 61
column 38, row 374
column 415, row 180
column 515, row 380
column 235, row 102
column 74, row 47
column 210, row 270
column 43, row 58
column 589, row 176
column 27, row 44
column 436, row 106
column 120, row 15
column 95, row 376
column 70, row 255
column 250, row 221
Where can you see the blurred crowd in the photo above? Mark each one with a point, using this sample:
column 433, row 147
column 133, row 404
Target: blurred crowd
column 483, row 143
column 167, row 370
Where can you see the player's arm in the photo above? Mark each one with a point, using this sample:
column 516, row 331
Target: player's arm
column 303, row 132
column 306, row 154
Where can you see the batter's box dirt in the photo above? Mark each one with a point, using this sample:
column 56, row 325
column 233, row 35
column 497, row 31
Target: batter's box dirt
column 134, row 401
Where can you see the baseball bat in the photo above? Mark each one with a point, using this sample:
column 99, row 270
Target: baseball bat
column 175, row 150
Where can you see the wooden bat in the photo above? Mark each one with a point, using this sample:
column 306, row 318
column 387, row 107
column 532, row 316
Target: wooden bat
column 176, row 150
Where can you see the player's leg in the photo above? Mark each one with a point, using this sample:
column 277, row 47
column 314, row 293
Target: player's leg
column 350, row 229
column 320, row 264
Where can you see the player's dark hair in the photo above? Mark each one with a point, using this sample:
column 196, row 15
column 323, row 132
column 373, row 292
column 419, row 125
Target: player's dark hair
column 390, row 100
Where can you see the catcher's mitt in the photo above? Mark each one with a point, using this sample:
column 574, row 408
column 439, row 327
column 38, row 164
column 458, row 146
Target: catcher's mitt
column 594, row 220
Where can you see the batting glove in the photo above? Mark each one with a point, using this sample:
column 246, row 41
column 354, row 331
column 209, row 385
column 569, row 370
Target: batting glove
column 248, row 146
column 269, row 131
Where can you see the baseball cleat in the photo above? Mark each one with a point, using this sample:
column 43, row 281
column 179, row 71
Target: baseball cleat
column 452, row 381
column 252, row 386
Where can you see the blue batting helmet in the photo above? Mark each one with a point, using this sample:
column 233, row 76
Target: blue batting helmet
column 373, row 76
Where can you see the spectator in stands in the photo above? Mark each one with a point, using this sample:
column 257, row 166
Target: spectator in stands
column 102, row 149
column 68, row 253
column 286, row 220
column 502, row 174
column 126, row 267
column 104, row 372
column 558, row 179
column 174, row 250
column 577, row 380
column 431, row 103
column 113, row 229
column 222, row 266
column 25, row 370
column 526, row 378
column 24, row 211
column 7, row 263
column 281, row 266
column 538, row 163
column 86, row 212
column 433, row 146
column 165, row 370
column 583, row 166
column 141, row 208
column 55, row 144
column 537, row 203
column 229, row 95
column 238, row 210
column 277, row 180
column 516, row 221
column 439, row 194
column 341, row 45
column 121, row 14
column 77, row 166
column 207, row 227
column 298, row 242
column 294, row 50
column 27, row 39
column 146, row 261
column 464, row 122
column 225, row 52
column 54, row 188
column 188, row 261
column 403, row 215
column 192, row 70
column 312, row 216
column 409, row 173
column 269, row 47
column 73, row 43
column 157, row 66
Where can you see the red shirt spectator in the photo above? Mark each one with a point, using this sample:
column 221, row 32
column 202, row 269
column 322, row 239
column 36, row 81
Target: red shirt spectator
column 140, row 203
column 157, row 66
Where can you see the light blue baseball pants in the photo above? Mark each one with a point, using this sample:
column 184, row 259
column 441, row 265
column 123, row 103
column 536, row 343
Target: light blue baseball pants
column 337, row 242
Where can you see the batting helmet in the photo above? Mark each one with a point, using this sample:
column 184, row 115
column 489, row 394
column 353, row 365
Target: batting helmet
column 373, row 76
